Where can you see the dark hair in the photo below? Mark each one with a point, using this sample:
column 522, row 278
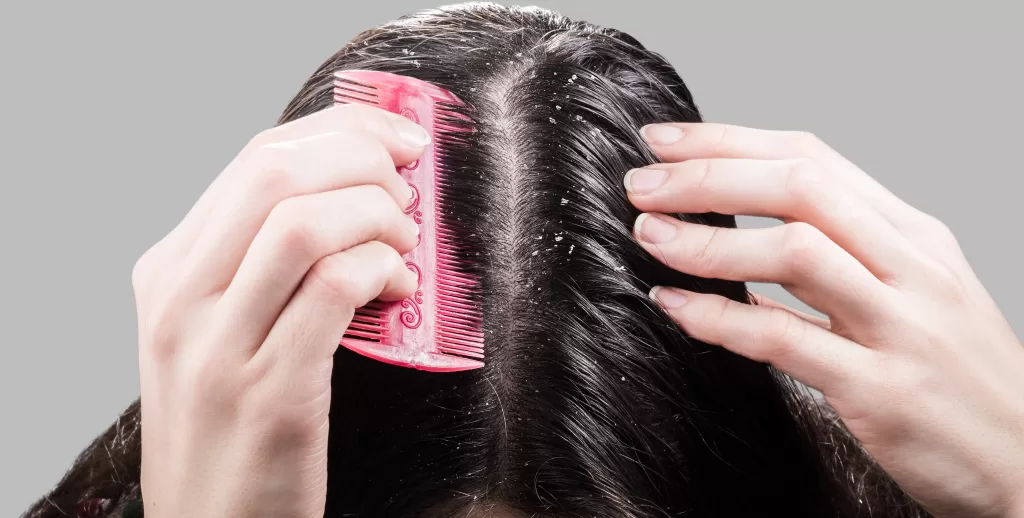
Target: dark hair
column 592, row 403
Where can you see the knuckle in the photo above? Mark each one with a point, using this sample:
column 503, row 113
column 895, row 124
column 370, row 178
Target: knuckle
column 379, row 203
column 379, row 158
column 905, row 379
column 807, row 143
column 710, row 313
column 376, row 195
column 780, row 333
column 142, row 270
column 262, row 138
column 274, row 171
column 802, row 180
column 207, row 378
column 387, row 257
column 937, row 231
column 707, row 258
column 945, row 282
column 703, row 169
column 339, row 280
column 293, row 227
column 802, row 248
column 365, row 152
column 723, row 139
column 159, row 340
column 160, row 329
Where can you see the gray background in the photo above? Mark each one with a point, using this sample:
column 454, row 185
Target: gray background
column 118, row 114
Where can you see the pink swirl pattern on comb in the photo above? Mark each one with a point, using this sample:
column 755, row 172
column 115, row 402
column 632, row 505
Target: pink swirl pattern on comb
column 412, row 317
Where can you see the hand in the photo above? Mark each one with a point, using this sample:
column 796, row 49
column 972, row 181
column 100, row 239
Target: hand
column 242, row 306
column 915, row 356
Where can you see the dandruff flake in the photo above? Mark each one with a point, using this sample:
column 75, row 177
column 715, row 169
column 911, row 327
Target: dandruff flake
column 564, row 201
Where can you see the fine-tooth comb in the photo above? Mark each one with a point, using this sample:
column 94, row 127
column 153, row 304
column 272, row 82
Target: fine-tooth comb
column 439, row 328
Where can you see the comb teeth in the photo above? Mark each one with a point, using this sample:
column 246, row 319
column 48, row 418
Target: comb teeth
column 347, row 91
column 440, row 327
column 369, row 323
column 458, row 312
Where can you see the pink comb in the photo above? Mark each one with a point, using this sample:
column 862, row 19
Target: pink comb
column 439, row 328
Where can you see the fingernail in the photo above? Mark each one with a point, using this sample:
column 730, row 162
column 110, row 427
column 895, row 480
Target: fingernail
column 661, row 134
column 669, row 298
column 653, row 229
column 413, row 134
column 643, row 181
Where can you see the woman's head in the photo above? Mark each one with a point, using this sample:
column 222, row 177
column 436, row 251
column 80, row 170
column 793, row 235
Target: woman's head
column 592, row 403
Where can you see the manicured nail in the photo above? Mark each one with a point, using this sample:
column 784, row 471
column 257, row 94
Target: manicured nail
column 669, row 298
column 661, row 134
column 413, row 134
column 653, row 229
column 643, row 181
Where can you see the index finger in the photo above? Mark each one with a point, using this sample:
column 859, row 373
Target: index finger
column 403, row 139
column 679, row 142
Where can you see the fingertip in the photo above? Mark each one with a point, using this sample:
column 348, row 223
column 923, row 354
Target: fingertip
column 412, row 135
column 411, row 234
column 404, row 139
column 401, row 286
column 662, row 134
column 668, row 297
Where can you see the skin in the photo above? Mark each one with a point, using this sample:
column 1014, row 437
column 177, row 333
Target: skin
column 914, row 355
column 242, row 305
